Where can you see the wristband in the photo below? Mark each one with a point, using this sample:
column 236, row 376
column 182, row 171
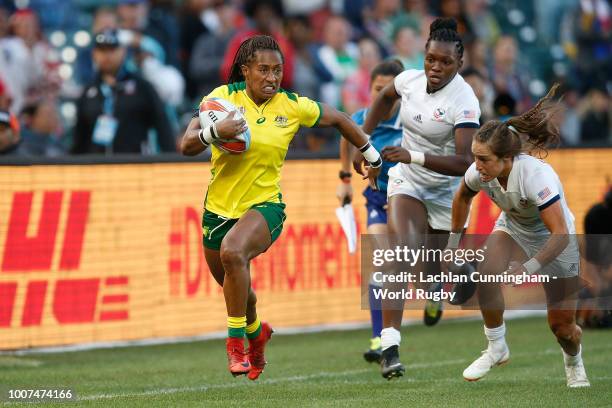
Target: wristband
column 213, row 131
column 453, row 240
column 532, row 266
column 371, row 155
column 417, row 157
column 345, row 176
column 205, row 136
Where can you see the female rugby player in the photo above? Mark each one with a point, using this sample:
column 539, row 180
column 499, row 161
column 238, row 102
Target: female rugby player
column 439, row 113
column 533, row 234
column 244, row 212
column 387, row 133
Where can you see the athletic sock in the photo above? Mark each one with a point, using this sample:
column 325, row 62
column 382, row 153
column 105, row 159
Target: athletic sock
column 236, row 326
column 496, row 337
column 390, row 337
column 570, row 360
column 253, row 329
column 375, row 311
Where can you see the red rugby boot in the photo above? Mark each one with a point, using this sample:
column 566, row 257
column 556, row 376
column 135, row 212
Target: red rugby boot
column 237, row 360
column 256, row 351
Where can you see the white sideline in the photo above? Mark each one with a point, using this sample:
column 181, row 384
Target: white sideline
column 508, row 315
column 322, row 374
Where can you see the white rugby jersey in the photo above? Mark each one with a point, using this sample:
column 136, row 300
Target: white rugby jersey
column 428, row 122
column 532, row 186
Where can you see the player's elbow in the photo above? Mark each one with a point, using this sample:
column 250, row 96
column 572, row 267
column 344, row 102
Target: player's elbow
column 185, row 148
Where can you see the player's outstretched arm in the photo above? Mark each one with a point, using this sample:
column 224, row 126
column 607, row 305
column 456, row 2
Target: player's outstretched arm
column 461, row 207
column 453, row 165
column 356, row 136
column 380, row 107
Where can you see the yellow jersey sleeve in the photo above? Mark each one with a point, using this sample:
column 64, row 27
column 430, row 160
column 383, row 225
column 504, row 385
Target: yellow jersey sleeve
column 218, row 92
column 309, row 111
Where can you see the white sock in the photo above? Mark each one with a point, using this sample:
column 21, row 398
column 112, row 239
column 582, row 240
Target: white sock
column 570, row 360
column 496, row 337
column 390, row 337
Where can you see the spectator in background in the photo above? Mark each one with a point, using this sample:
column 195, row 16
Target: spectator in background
column 408, row 48
column 306, row 81
column 104, row 18
column 116, row 112
column 9, row 133
column 455, row 9
column 505, row 75
column 337, row 58
column 356, row 89
column 41, row 130
column 476, row 55
column 378, row 23
column 504, row 106
column 266, row 17
column 481, row 87
column 482, row 21
column 210, row 48
column 588, row 39
column 595, row 125
column 29, row 66
column 163, row 26
column 191, row 29
column 149, row 57
column 133, row 17
column 570, row 116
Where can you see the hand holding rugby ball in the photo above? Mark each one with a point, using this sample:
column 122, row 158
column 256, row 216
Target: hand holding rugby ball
column 232, row 136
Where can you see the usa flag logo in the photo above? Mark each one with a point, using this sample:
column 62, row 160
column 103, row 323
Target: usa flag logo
column 469, row 114
column 544, row 193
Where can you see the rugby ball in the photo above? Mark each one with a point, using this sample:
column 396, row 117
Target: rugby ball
column 216, row 109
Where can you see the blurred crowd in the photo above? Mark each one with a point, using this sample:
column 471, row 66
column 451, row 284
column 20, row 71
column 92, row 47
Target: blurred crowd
column 75, row 74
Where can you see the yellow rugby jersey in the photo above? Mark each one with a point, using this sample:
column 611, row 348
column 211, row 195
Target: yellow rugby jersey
column 239, row 181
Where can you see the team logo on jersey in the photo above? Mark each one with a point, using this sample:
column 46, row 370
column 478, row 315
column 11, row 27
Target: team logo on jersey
column 439, row 114
column 523, row 202
column 417, row 118
column 281, row 121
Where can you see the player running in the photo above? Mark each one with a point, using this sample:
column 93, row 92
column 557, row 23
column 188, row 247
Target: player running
column 244, row 212
column 387, row 133
column 440, row 114
column 533, row 234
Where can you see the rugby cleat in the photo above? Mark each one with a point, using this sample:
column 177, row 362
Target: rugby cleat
column 575, row 374
column 432, row 312
column 390, row 366
column 483, row 364
column 256, row 351
column 374, row 353
column 237, row 360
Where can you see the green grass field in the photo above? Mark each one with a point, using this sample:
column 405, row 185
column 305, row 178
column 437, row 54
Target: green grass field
column 326, row 369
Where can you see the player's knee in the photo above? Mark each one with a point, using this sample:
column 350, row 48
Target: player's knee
column 563, row 331
column 232, row 258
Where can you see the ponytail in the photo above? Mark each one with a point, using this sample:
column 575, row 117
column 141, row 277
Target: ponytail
column 506, row 139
